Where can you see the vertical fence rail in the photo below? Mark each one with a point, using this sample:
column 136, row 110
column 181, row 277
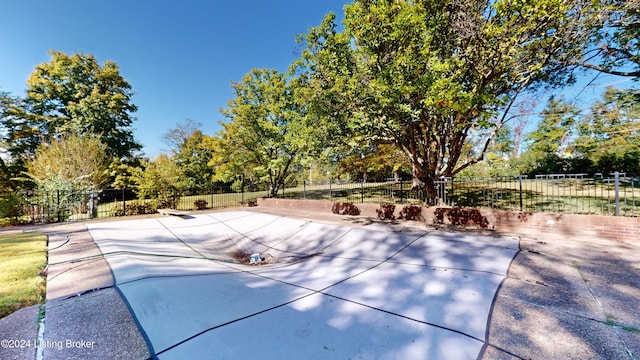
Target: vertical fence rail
column 606, row 195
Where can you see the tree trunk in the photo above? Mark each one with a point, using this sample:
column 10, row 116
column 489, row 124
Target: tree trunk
column 426, row 181
column 273, row 189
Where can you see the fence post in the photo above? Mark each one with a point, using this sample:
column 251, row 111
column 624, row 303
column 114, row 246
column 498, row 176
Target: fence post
column 520, row 182
column 362, row 191
column 401, row 194
column 617, row 187
column 330, row 194
column 452, row 197
column 304, row 189
column 58, row 206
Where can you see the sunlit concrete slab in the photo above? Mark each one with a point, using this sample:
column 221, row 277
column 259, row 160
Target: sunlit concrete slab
column 322, row 327
column 171, row 310
column 453, row 299
column 323, row 291
column 442, row 250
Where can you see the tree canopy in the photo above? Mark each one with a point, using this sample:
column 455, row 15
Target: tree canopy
column 606, row 34
column 71, row 162
column 72, row 94
column 427, row 75
column 265, row 135
column 609, row 137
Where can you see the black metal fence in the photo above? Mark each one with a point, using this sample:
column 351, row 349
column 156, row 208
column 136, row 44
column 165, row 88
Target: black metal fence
column 60, row 206
column 617, row 194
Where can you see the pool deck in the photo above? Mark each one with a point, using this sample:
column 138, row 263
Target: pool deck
column 561, row 297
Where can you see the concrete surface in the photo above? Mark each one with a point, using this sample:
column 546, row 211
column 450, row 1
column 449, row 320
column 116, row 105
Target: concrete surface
column 352, row 292
column 85, row 316
column 569, row 298
column 18, row 331
column 565, row 296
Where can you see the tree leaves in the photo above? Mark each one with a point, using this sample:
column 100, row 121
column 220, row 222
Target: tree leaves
column 426, row 74
column 266, row 133
column 75, row 94
column 72, row 162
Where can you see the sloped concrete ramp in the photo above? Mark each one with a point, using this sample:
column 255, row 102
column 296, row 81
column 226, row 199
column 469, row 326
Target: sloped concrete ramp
column 321, row 291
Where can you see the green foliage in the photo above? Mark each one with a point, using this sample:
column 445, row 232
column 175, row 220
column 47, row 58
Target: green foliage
column 610, row 135
column 139, row 207
column 425, row 75
column 554, row 131
column 177, row 137
column 193, row 160
column 160, row 180
column 605, row 140
column 237, row 185
column 266, row 133
column 72, row 162
column 607, row 37
column 11, row 209
column 72, row 94
column 121, row 173
column 379, row 162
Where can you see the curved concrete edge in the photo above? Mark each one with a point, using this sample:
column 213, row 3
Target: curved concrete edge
column 85, row 316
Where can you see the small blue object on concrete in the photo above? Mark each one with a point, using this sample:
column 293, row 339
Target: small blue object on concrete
column 255, row 258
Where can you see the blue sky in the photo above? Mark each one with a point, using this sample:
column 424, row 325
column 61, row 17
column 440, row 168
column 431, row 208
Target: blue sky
column 179, row 56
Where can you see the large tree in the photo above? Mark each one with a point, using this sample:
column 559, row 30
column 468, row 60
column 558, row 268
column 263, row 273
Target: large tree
column 191, row 152
column 551, row 143
column 429, row 74
column 193, row 159
column 609, row 136
column 160, row 179
column 265, row 134
column 73, row 94
column 176, row 138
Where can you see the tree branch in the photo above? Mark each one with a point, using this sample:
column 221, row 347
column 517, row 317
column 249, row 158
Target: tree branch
column 605, row 70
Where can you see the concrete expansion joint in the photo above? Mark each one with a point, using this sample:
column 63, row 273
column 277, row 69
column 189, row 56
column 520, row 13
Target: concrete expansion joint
column 616, row 327
column 89, row 291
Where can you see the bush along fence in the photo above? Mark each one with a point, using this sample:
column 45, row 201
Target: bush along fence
column 617, row 194
column 60, row 205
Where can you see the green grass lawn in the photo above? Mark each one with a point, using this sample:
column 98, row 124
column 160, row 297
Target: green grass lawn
column 22, row 257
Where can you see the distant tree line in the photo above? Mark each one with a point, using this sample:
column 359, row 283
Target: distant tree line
column 419, row 89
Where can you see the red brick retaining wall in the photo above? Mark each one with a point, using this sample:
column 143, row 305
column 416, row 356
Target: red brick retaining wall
column 609, row 227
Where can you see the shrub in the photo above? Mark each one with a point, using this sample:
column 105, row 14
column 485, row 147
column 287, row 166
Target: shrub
column 136, row 208
column 461, row 216
column 237, row 186
column 200, row 204
column 345, row 209
column 411, row 212
column 385, row 212
column 11, row 210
